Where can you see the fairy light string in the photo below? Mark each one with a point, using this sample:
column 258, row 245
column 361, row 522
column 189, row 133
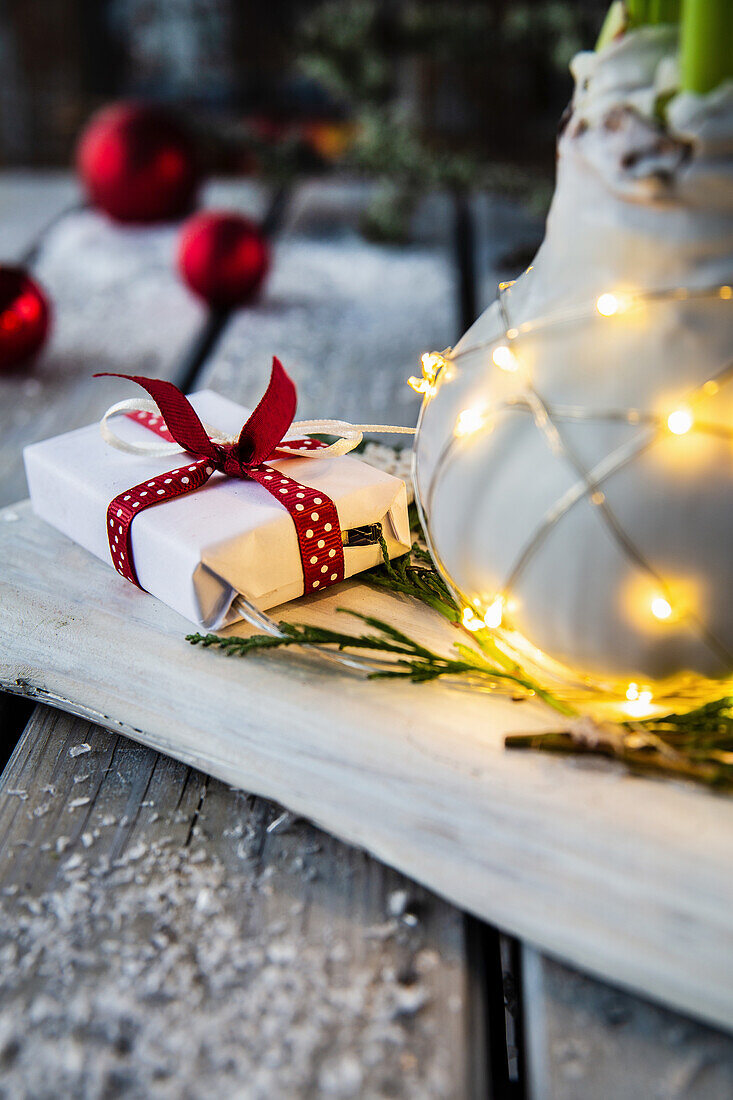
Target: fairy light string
column 505, row 356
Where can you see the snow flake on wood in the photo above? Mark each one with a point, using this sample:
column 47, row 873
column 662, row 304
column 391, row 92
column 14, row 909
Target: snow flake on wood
column 154, row 974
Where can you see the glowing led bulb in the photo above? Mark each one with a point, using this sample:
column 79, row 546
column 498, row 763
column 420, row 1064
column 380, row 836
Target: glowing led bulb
column 494, row 613
column 470, row 620
column 661, row 608
column 431, row 362
column 421, row 385
column 639, row 702
column 505, row 358
column 608, row 304
column 469, row 421
column 679, row 421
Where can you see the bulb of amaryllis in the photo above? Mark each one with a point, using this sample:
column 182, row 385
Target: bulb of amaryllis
column 575, row 461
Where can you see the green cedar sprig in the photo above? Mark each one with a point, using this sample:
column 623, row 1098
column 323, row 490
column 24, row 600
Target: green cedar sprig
column 414, row 662
column 414, row 575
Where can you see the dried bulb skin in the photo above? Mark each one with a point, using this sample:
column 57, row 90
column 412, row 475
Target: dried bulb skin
column 621, row 333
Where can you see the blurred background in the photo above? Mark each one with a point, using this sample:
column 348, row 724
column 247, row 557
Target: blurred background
column 416, row 93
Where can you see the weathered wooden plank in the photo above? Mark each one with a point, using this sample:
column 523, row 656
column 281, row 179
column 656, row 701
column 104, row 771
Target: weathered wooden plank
column 29, row 202
column 589, row 1041
column 625, row 877
column 164, row 935
column 335, row 208
column 32, row 200
column 349, row 320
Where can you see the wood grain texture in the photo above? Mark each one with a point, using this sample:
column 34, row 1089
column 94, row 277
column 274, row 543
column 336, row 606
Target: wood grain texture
column 163, row 935
column 348, row 319
column 334, row 209
column 589, row 1041
column 29, row 202
column 627, row 878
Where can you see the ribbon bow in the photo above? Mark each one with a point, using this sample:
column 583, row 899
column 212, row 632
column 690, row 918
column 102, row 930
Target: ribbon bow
column 257, row 440
column 175, row 420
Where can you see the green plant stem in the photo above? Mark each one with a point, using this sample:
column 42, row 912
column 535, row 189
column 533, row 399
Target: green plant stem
column 648, row 13
column 651, row 764
column 638, row 11
column 665, row 11
column 706, row 51
column 697, row 745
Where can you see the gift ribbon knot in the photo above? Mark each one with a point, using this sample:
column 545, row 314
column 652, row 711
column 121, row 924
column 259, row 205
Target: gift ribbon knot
column 174, row 420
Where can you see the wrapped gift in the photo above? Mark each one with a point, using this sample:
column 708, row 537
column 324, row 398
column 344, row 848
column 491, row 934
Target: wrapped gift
column 218, row 519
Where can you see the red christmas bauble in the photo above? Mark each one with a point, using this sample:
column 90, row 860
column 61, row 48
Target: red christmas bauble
column 223, row 257
column 25, row 317
column 137, row 163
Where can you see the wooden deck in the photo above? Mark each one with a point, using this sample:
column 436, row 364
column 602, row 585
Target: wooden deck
column 166, row 935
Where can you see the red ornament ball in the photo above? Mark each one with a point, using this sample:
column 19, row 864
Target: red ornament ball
column 223, row 258
column 138, row 164
column 25, row 317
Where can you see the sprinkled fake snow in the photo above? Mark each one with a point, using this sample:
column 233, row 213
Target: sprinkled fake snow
column 162, row 973
column 397, row 902
column 79, row 750
column 281, row 823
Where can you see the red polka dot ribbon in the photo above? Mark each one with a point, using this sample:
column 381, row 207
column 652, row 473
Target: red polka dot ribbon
column 313, row 514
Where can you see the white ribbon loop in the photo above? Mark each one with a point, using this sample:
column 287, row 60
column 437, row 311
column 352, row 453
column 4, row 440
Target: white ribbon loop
column 349, row 435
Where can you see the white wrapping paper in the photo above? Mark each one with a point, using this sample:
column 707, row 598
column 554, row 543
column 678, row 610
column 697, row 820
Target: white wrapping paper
column 197, row 552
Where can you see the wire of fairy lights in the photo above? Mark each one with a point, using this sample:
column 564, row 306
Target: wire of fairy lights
column 493, row 614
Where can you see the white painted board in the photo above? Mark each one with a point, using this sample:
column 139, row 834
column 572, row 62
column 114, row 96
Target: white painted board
column 627, row 878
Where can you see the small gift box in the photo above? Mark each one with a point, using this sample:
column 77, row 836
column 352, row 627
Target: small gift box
column 215, row 521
